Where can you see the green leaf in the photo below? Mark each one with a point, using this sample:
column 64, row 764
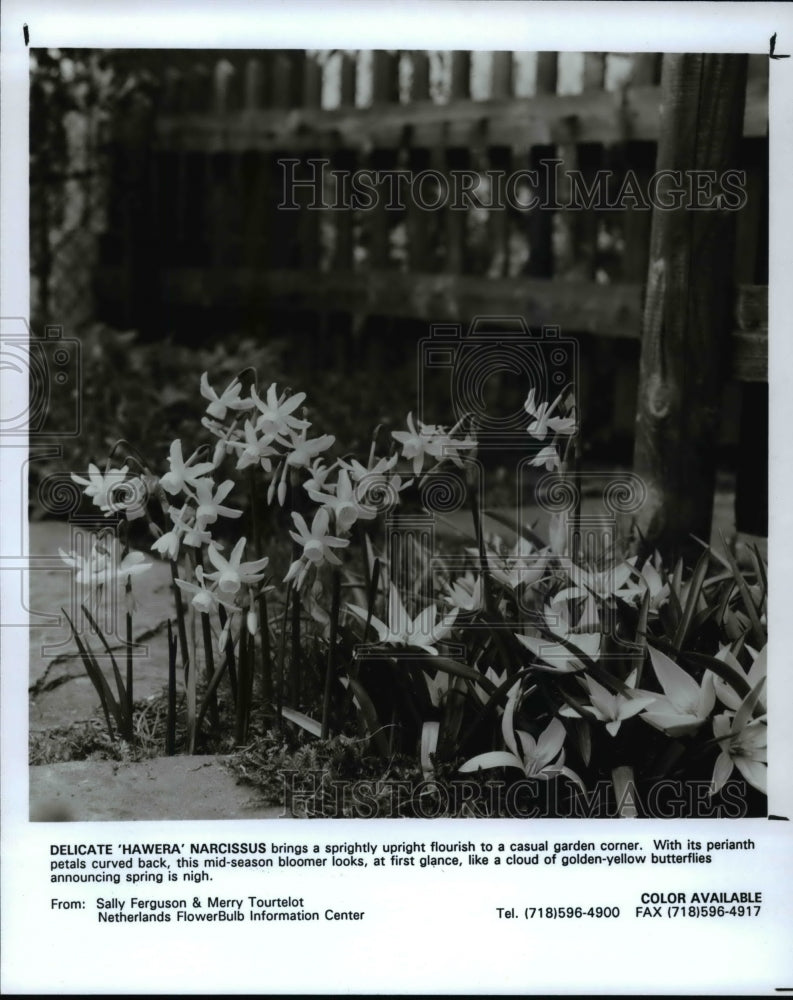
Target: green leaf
column 429, row 744
column 452, row 717
column 94, row 672
column 462, row 670
column 304, row 721
column 758, row 631
column 694, row 590
column 122, row 692
column 495, row 758
column 583, row 733
column 368, row 714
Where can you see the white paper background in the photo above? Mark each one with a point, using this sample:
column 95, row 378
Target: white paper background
column 427, row 931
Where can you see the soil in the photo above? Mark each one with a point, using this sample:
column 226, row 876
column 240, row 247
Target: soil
column 166, row 788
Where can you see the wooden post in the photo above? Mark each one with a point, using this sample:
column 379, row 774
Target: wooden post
column 689, row 304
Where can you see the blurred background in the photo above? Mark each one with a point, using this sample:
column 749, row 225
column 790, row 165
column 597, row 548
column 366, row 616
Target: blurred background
column 156, row 238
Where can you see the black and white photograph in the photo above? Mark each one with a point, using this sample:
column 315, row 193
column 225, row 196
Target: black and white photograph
column 391, row 428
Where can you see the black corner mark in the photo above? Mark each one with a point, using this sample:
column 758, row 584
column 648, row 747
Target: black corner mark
column 772, row 49
column 25, row 34
column 784, row 818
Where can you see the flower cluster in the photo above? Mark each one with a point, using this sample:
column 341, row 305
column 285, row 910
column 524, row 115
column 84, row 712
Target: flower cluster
column 555, row 654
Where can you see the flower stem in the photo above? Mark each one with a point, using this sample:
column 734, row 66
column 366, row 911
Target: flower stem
column 128, row 719
column 170, row 725
column 331, row 668
column 281, row 659
column 180, row 618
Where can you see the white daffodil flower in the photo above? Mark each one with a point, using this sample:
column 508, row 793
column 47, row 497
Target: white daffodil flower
column 183, row 474
column 232, row 573
column 229, row 399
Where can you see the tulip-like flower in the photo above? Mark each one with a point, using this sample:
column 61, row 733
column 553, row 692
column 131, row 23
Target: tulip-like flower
column 211, row 507
column 465, row 593
column 255, row 450
column 344, row 504
column 541, row 758
column 686, row 704
column 232, row 573
column 638, row 583
column 604, row 584
column 183, row 474
column 743, row 742
column 275, row 413
column 229, row 399
column 557, row 656
column 543, row 421
column 421, row 632
column 613, row 709
column 100, row 485
column 522, row 566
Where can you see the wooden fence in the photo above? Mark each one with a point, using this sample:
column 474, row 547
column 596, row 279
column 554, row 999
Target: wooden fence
column 198, row 231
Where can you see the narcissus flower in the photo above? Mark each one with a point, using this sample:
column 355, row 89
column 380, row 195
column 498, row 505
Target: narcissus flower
column 303, row 450
column 204, row 599
column 183, row 474
column 255, row 450
column 317, row 543
column 343, row 503
column 104, row 565
column 100, row 485
column 232, row 573
column 229, row 399
column 276, row 412
column 211, row 507
column 547, row 457
column 543, row 421
column 428, row 439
